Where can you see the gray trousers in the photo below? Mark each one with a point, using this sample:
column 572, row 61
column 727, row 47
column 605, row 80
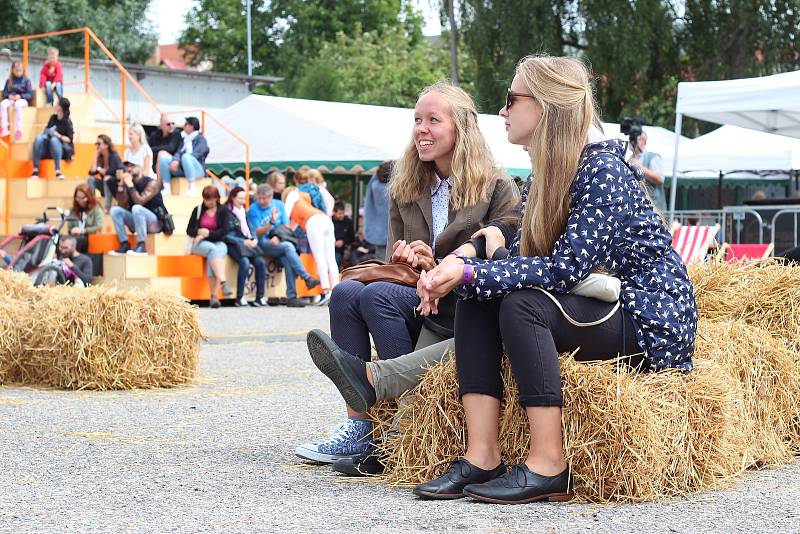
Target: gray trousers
column 398, row 375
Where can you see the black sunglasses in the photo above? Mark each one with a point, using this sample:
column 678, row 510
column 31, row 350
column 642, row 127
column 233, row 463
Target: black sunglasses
column 510, row 97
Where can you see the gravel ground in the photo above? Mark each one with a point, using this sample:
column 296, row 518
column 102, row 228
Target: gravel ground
column 217, row 457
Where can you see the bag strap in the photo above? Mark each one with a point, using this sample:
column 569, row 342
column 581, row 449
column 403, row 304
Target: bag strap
column 573, row 321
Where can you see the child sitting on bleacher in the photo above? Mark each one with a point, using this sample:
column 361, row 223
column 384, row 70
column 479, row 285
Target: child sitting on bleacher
column 51, row 79
column 17, row 92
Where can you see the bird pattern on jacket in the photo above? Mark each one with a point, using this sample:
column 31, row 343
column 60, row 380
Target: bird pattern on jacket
column 611, row 224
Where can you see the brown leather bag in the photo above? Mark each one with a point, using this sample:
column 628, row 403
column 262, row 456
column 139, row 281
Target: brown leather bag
column 381, row 271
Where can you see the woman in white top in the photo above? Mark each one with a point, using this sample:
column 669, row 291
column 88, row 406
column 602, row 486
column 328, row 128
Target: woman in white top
column 138, row 151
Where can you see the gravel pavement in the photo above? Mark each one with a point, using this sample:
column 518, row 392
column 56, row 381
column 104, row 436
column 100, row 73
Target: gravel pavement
column 217, row 456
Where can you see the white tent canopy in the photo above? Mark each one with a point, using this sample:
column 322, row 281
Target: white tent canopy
column 769, row 103
column 731, row 148
column 338, row 137
column 287, row 133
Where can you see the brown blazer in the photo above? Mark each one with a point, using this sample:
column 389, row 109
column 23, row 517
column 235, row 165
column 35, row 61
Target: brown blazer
column 413, row 221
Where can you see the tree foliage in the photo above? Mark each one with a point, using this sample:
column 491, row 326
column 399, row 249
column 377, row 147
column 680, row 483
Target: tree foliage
column 287, row 34
column 379, row 67
column 121, row 25
column 372, row 51
column 638, row 49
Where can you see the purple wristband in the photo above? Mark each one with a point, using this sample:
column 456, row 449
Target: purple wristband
column 458, row 254
column 469, row 272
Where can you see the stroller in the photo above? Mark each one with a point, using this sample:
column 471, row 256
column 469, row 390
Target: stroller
column 38, row 246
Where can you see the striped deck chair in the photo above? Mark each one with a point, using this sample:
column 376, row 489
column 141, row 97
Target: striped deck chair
column 740, row 251
column 692, row 242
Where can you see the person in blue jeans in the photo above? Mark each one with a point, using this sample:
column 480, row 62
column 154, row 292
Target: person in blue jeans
column 56, row 139
column 266, row 217
column 189, row 159
column 243, row 249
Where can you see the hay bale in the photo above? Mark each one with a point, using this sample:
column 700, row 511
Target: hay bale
column 763, row 293
column 15, row 285
column 104, row 338
column 629, row 437
column 12, row 317
column 769, row 376
column 635, row 437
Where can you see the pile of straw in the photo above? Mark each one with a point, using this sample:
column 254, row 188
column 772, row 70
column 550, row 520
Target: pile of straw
column 97, row 338
column 14, row 285
column 636, row 437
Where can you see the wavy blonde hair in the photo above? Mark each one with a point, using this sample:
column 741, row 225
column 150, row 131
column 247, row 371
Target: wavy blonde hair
column 563, row 88
column 472, row 169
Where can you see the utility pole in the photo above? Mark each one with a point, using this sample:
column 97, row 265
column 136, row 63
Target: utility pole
column 249, row 43
column 453, row 42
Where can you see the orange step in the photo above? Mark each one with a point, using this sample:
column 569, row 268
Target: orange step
column 185, row 266
column 311, row 267
column 105, row 243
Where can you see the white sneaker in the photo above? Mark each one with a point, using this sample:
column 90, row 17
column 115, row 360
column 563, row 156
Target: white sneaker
column 192, row 191
column 323, row 300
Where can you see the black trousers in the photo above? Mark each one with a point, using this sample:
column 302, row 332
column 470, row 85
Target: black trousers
column 534, row 331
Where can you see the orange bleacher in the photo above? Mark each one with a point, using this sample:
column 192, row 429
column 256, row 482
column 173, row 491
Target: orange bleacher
column 22, row 198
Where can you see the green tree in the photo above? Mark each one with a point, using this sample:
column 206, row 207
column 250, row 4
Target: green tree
column 633, row 51
column 740, row 38
column 216, row 31
column 287, row 34
column 379, row 67
column 498, row 33
column 122, row 25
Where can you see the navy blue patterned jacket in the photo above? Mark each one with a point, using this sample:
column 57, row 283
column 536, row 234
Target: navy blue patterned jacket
column 611, row 224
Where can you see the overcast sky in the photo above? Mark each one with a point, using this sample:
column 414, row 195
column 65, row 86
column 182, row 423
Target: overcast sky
column 167, row 15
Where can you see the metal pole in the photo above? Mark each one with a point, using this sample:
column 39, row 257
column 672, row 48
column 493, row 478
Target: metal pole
column 25, row 55
column 122, row 98
column 249, row 45
column 85, row 61
column 453, row 42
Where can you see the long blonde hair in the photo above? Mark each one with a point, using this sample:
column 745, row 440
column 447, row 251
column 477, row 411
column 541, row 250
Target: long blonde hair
column 472, row 169
column 562, row 87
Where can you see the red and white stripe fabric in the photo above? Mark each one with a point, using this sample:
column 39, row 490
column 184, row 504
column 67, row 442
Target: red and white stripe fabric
column 741, row 251
column 692, row 242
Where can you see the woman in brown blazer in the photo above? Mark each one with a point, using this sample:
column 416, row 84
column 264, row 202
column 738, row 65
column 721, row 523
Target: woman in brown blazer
column 444, row 188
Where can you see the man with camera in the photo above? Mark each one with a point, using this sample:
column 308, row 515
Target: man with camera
column 650, row 163
column 139, row 199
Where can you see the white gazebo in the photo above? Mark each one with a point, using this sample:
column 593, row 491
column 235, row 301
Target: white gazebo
column 769, row 104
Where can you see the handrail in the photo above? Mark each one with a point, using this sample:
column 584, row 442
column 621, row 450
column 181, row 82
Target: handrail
column 41, row 35
column 216, row 178
column 127, row 74
column 103, row 101
column 125, row 77
column 784, row 211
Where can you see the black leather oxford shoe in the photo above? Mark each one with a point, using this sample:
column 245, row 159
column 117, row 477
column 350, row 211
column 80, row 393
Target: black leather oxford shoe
column 451, row 484
column 520, row 485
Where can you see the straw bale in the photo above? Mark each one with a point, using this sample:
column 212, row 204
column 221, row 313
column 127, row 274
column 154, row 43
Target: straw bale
column 104, row 338
column 15, row 285
column 627, row 436
column 764, row 293
column 769, row 375
column 11, row 318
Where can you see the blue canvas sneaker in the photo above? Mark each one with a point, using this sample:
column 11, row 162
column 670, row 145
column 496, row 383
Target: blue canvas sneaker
column 351, row 438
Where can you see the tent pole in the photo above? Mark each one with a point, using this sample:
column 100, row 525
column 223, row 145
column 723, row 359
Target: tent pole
column 673, row 192
column 719, row 191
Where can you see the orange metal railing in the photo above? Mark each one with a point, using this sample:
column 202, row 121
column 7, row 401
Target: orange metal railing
column 125, row 77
